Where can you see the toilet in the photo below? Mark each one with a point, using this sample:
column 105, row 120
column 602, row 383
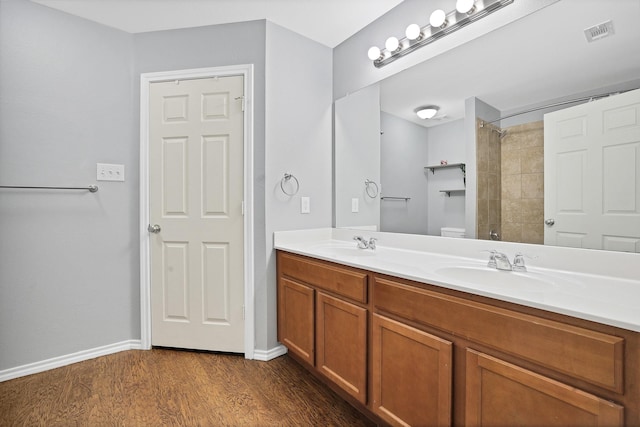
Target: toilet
column 452, row 232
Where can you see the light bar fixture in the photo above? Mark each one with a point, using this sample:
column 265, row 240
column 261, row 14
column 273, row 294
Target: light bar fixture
column 440, row 24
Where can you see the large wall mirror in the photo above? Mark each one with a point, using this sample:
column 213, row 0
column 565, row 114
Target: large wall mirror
column 477, row 167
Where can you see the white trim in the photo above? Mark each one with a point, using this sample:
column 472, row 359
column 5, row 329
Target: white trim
column 57, row 362
column 266, row 355
column 246, row 70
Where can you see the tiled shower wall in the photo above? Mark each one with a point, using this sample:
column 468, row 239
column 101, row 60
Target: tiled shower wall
column 488, row 181
column 511, row 183
column 523, row 183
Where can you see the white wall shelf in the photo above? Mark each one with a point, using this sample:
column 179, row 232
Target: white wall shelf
column 433, row 168
column 458, row 190
column 461, row 166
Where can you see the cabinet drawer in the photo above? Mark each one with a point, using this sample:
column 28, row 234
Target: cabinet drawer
column 588, row 355
column 339, row 280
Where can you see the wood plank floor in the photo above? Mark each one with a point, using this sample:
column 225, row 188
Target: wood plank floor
column 164, row 387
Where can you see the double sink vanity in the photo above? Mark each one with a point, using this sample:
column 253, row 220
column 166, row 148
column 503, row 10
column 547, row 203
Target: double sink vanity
column 421, row 330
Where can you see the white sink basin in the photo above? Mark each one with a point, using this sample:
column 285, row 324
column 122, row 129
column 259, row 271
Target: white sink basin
column 490, row 278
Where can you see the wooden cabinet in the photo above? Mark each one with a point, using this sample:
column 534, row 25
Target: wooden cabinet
column 322, row 320
column 341, row 330
column 581, row 353
column 412, row 373
column 409, row 353
column 518, row 368
column 502, row 394
column 296, row 319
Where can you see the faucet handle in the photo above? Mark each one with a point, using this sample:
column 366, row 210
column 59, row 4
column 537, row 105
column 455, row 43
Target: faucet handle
column 372, row 242
column 492, row 258
column 362, row 243
column 518, row 261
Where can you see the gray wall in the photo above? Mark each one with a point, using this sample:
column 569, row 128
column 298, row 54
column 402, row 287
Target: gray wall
column 68, row 260
column 403, row 156
column 298, row 135
column 357, row 158
column 69, row 98
column 446, row 142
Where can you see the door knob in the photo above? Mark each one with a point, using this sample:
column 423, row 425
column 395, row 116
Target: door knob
column 153, row 228
column 550, row 221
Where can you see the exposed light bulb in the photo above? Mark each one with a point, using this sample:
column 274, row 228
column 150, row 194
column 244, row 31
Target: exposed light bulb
column 465, row 6
column 427, row 112
column 373, row 53
column 438, row 18
column 391, row 44
column 413, row 31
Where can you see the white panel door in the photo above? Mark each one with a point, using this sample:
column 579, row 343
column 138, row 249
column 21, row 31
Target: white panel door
column 592, row 174
column 195, row 197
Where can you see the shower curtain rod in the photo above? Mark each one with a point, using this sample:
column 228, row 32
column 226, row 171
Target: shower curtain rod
column 91, row 188
column 557, row 104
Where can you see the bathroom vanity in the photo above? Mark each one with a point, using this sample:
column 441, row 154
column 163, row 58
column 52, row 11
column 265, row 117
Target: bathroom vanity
column 414, row 348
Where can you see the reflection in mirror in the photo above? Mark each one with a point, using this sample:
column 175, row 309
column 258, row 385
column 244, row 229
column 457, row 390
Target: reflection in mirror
column 357, row 160
column 513, row 69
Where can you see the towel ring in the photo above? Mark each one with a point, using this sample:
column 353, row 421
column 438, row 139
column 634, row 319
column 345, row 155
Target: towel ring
column 371, row 192
column 287, row 177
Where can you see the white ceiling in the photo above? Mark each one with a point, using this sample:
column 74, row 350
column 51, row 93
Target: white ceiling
column 329, row 22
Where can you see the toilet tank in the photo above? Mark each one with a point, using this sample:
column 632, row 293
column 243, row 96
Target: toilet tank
column 452, row 232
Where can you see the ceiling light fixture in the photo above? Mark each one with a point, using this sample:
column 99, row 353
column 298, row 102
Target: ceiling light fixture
column 427, row 112
column 440, row 24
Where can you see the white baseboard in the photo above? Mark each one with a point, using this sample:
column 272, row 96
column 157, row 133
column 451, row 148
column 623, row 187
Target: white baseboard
column 56, row 362
column 266, row 355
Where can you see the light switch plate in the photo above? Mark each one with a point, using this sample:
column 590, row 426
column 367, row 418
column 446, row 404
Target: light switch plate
column 355, row 205
column 305, row 205
column 109, row 172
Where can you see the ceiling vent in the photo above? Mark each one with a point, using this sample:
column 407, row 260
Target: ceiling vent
column 599, row 31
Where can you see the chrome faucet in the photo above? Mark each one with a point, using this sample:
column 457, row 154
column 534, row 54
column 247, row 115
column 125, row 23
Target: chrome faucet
column 364, row 244
column 499, row 261
column 502, row 261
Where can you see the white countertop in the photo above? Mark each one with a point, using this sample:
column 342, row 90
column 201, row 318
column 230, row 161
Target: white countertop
column 594, row 285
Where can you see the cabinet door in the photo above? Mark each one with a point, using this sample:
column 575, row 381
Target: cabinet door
column 296, row 318
column 412, row 375
column 501, row 394
column 341, row 329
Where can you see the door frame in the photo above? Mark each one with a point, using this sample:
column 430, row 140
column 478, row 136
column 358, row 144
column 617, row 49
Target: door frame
column 246, row 70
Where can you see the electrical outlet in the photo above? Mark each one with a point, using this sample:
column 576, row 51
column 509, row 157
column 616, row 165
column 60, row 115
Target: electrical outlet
column 354, row 205
column 109, row 172
column 305, row 205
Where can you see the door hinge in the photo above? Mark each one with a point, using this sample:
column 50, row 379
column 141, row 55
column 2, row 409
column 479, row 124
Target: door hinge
column 241, row 98
column 242, row 207
column 243, row 314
